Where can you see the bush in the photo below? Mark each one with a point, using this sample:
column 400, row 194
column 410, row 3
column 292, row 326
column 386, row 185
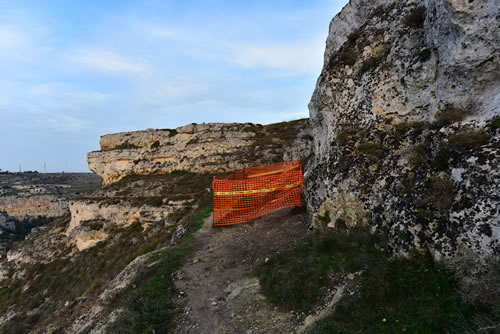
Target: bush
column 440, row 162
column 348, row 56
column 419, row 155
column 370, row 148
column 451, row 114
column 441, row 193
column 374, row 61
column 402, row 128
column 469, row 139
column 354, row 35
column 415, row 18
column 424, row 55
column 495, row 124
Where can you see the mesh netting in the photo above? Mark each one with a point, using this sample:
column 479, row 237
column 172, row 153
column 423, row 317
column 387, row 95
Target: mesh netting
column 256, row 191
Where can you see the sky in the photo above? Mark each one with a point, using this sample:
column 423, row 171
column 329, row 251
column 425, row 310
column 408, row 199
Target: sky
column 71, row 71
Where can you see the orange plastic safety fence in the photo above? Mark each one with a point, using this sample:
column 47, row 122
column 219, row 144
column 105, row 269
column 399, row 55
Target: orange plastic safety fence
column 256, row 191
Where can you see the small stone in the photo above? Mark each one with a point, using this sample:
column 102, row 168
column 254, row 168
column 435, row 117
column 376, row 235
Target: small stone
column 196, row 260
column 214, row 303
column 181, row 293
column 350, row 276
column 266, row 260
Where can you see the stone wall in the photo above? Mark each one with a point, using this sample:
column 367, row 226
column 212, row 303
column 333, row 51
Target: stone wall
column 405, row 124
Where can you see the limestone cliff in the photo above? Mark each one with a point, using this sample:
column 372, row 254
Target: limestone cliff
column 138, row 168
column 405, row 123
column 45, row 205
column 198, row 148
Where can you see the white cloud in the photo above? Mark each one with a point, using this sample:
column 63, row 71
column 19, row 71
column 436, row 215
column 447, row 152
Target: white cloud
column 294, row 58
column 289, row 58
column 108, row 61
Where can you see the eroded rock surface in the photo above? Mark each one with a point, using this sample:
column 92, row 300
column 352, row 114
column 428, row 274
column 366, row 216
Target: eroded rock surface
column 197, row 148
column 405, row 124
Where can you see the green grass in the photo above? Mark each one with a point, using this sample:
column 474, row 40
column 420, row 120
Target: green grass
column 469, row 139
column 150, row 308
column 402, row 296
column 295, row 280
column 415, row 295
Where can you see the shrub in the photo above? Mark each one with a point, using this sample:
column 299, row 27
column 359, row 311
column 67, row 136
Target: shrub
column 440, row 193
column 354, row 35
column 156, row 144
column 379, row 11
column 495, row 124
column 424, row 55
column 370, row 148
column 402, row 128
column 407, row 184
column 451, row 114
column 374, row 61
column 415, row 18
column 440, row 161
column 349, row 56
column 469, row 139
column 419, row 155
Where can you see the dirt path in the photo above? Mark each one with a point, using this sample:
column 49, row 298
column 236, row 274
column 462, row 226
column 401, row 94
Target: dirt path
column 217, row 288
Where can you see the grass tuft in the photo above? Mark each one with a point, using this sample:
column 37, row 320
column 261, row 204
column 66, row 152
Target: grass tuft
column 349, row 56
column 451, row 114
column 469, row 139
column 371, row 149
column 354, row 35
column 415, row 18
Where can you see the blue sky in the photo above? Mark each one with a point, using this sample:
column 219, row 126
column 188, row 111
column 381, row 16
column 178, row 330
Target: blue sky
column 72, row 71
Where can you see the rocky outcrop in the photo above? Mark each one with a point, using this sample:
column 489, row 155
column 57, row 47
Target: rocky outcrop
column 22, row 207
column 405, row 123
column 153, row 158
column 199, row 148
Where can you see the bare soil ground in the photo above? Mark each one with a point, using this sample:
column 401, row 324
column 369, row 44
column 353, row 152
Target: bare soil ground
column 218, row 291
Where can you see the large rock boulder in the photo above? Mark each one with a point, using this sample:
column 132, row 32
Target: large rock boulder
column 405, row 124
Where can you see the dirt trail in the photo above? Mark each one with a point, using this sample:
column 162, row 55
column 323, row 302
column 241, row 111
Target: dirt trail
column 218, row 290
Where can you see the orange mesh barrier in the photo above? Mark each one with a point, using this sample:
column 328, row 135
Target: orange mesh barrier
column 255, row 191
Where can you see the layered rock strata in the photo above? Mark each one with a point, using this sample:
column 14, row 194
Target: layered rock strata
column 199, row 148
column 22, row 207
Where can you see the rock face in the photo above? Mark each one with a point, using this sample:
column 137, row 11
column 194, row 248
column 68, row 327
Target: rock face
column 154, row 154
column 22, row 207
column 198, row 148
column 405, row 123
